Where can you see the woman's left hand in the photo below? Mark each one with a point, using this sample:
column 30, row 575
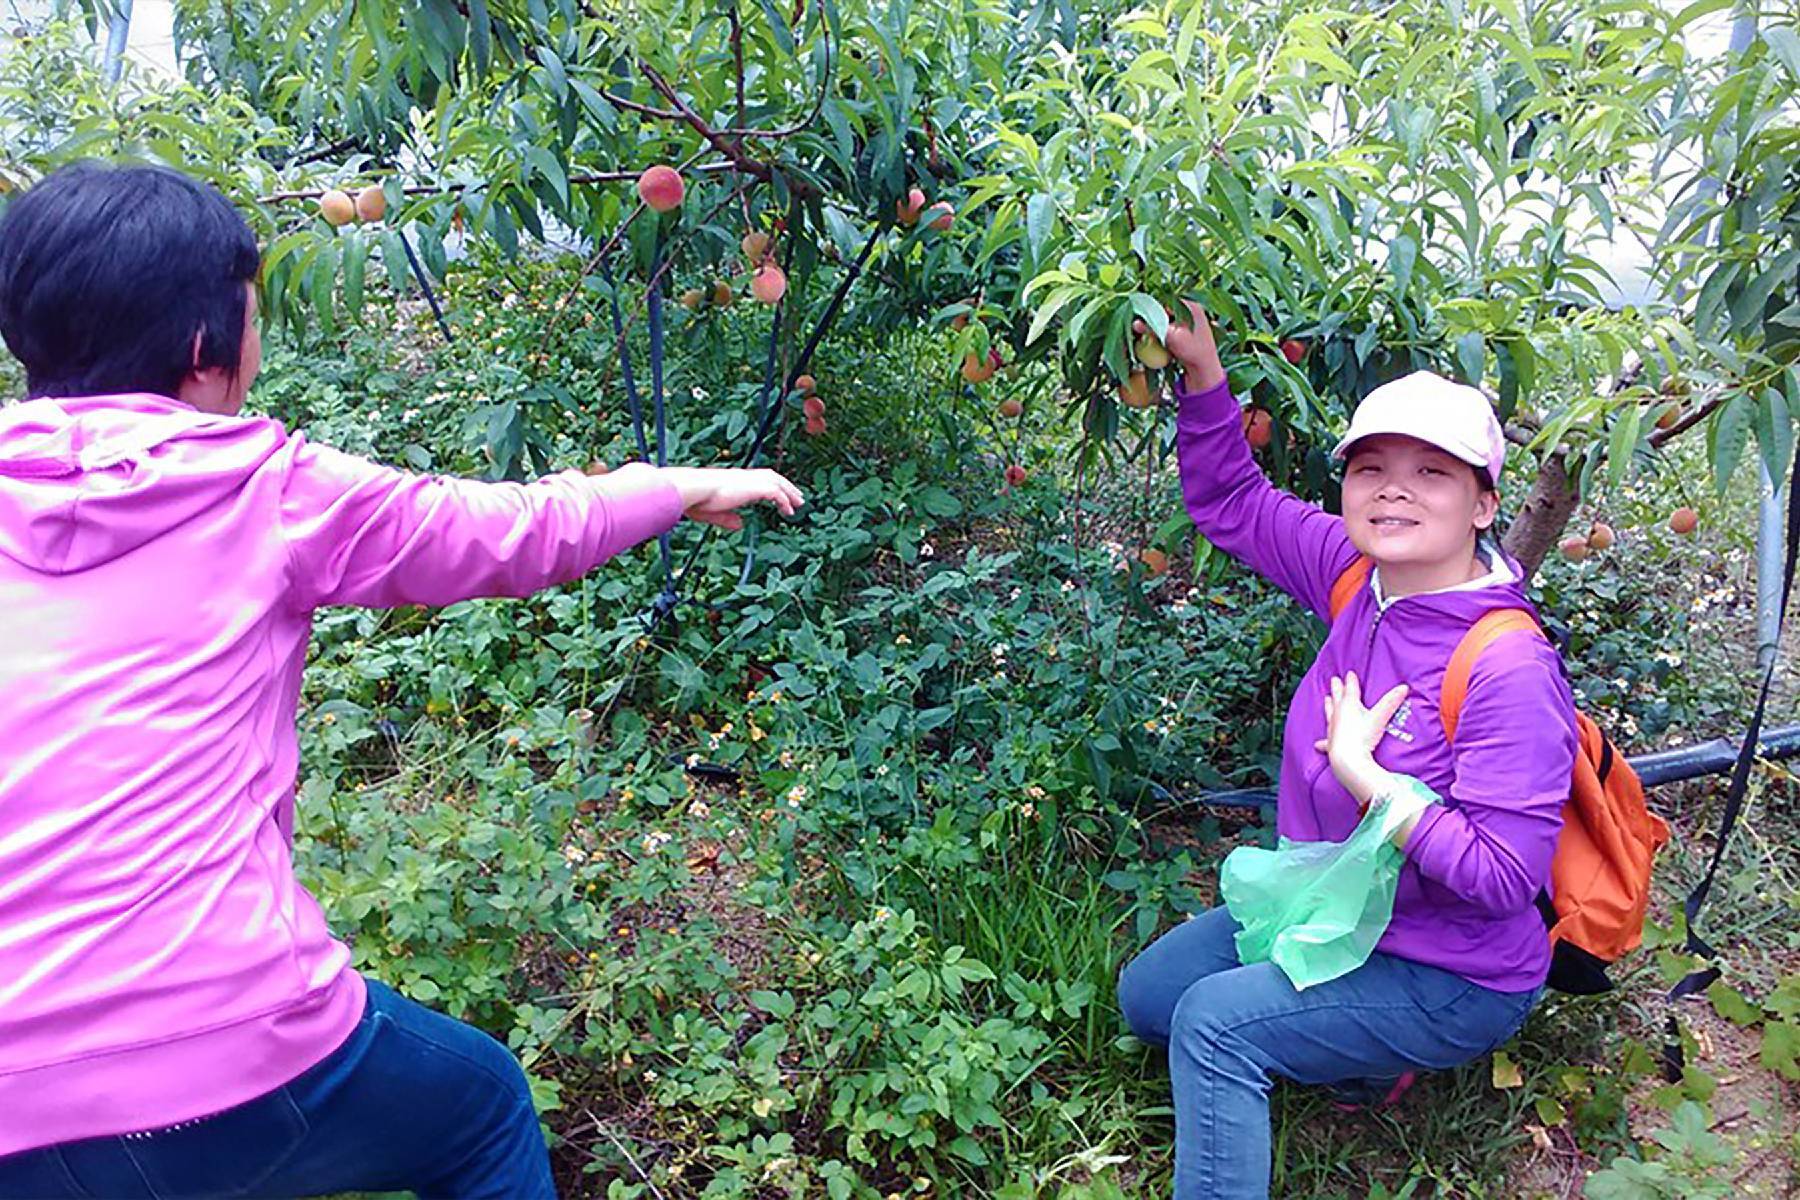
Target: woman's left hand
column 1353, row 730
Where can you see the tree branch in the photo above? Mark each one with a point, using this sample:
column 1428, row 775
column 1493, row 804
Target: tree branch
column 1698, row 414
column 718, row 141
column 426, row 189
column 805, row 122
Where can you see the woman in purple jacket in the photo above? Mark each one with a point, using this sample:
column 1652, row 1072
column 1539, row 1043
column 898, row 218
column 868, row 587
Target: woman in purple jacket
column 176, row 1018
column 1466, row 954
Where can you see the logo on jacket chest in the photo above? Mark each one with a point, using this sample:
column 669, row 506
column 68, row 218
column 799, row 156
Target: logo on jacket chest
column 1397, row 724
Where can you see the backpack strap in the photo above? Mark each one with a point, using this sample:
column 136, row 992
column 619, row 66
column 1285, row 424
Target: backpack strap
column 1481, row 635
column 1350, row 582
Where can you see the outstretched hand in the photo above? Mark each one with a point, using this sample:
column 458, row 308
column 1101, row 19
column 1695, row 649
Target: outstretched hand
column 714, row 494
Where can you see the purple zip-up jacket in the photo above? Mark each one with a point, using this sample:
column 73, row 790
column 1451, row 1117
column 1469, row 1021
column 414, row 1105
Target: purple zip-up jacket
column 1476, row 862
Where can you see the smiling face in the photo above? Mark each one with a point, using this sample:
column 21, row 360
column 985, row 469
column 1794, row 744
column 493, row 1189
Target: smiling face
column 1407, row 503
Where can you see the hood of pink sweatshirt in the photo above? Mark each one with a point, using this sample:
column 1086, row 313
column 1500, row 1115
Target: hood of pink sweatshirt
column 158, row 571
column 82, row 482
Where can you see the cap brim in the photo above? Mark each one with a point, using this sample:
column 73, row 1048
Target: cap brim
column 1462, row 453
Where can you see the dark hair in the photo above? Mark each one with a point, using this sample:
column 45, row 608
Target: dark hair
column 107, row 272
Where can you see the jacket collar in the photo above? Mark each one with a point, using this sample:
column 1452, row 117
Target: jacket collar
column 1499, row 573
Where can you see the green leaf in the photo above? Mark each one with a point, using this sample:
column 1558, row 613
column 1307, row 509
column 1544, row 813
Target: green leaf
column 1775, row 433
column 1709, row 305
column 778, row 25
column 481, row 37
column 1784, row 1001
column 1471, row 357
column 356, row 259
column 1040, row 218
column 1747, row 309
column 1729, row 1003
column 1403, row 252
column 1781, row 1049
column 1785, row 45
column 1696, row 11
column 1190, row 29
column 1053, row 304
column 1155, row 317
column 553, row 66
column 939, row 502
column 1727, row 436
column 550, row 168
column 1623, row 442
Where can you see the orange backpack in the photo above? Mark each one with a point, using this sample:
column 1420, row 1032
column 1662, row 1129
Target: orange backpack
column 1600, row 876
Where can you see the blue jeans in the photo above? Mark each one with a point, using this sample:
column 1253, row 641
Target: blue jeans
column 1229, row 1028
column 412, row 1101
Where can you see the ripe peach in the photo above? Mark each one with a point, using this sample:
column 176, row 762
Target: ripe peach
column 941, row 215
column 1151, row 352
column 1010, row 408
column 1135, row 391
column 769, row 283
column 1600, row 537
column 1015, row 475
column 976, row 371
column 1684, row 520
column 371, row 204
column 907, row 211
column 661, row 188
column 337, row 208
column 1574, row 548
column 1259, row 429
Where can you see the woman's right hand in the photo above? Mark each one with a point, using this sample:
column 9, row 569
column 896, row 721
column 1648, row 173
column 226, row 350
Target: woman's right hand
column 714, row 494
column 1193, row 347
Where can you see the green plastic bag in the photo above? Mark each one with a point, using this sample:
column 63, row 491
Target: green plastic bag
column 1316, row 909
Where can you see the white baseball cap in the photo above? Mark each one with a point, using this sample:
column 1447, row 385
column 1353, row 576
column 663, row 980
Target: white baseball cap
column 1454, row 417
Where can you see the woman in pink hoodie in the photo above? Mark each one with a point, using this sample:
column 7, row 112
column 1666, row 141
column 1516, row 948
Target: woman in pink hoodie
column 176, row 1020
column 1466, row 952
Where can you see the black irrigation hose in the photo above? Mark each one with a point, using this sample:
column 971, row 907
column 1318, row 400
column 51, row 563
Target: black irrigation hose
column 668, row 598
column 1653, row 768
column 425, row 284
column 769, row 405
column 631, row 392
column 818, row 335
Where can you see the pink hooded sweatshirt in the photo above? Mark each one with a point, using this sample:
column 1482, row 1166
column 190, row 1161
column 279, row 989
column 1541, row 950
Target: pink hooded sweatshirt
column 159, row 567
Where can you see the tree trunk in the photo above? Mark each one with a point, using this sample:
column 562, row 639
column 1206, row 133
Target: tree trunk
column 1541, row 518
